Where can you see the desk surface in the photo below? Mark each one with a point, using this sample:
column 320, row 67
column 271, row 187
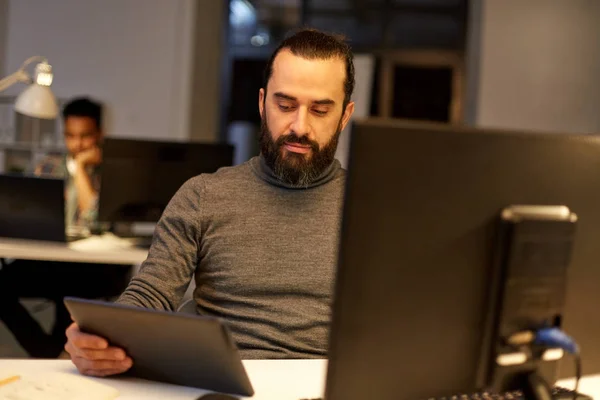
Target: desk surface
column 105, row 249
column 272, row 380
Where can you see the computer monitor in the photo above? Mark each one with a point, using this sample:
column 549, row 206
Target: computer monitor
column 139, row 177
column 32, row 208
column 417, row 250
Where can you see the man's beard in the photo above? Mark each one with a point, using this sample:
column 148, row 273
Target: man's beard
column 292, row 168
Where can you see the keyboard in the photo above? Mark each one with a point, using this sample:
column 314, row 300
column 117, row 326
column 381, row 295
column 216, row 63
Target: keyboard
column 558, row 393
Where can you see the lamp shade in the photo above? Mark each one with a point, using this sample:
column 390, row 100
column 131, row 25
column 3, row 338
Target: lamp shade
column 37, row 101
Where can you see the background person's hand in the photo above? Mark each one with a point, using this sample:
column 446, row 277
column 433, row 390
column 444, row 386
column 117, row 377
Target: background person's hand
column 93, row 356
column 89, row 157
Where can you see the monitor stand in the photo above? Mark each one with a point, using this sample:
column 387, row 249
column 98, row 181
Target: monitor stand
column 532, row 385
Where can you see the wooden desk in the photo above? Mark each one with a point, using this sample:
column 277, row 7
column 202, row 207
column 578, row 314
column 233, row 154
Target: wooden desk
column 105, row 249
column 272, row 380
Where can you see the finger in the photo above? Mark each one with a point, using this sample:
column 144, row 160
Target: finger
column 111, row 353
column 69, row 348
column 72, row 327
column 99, row 365
column 85, row 340
column 103, row 372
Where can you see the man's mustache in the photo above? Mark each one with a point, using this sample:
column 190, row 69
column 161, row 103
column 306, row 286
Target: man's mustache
column 292, row 138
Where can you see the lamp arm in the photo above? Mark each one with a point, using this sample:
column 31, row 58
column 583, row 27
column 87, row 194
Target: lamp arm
column 19, row 76
column 32, row 59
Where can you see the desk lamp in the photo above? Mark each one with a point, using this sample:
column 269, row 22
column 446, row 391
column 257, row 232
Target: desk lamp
column 37, row 100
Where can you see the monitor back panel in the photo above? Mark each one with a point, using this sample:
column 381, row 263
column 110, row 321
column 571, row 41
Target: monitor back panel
column 416, row 251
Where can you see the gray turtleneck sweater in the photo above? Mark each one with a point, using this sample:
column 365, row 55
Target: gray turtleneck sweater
column 263, row 255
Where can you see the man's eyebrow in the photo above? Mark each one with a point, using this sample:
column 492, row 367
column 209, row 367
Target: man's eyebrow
column 284, row 96
column 292, row 98
column 324, row 102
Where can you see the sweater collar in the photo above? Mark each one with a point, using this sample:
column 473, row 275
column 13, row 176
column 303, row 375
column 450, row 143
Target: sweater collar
column 262, row 170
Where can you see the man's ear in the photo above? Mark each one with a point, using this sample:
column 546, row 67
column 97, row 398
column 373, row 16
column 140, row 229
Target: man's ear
column 261, row 102
column 347, row 114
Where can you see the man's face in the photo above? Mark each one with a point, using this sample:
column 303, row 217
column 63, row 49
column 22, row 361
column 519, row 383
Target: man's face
column 302, row 114
column 81, row 134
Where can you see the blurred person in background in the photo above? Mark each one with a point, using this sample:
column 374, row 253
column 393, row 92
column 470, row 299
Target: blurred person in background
column 53, row 280
column 80, row 167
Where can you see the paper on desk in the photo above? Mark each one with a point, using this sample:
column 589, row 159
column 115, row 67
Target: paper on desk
column 106, row 242
column 53, row 386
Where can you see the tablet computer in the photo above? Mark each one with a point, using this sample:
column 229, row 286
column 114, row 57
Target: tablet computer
column 181, row 349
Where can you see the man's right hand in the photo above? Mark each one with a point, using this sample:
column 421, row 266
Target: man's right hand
column 92, row 156
column 93, row 356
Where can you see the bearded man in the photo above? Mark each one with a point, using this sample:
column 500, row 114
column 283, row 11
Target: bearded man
column 260, row 239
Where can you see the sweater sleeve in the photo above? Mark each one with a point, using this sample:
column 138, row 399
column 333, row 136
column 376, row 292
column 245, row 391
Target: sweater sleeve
column 165, row 275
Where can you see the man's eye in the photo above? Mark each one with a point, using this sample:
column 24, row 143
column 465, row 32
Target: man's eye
column 320, row 112
column 283, row 107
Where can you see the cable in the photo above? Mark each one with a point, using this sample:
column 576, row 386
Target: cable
column 577, row 374
column 554, row 337
column 551, row 337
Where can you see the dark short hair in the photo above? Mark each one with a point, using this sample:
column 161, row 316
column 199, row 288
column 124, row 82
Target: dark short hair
column 84, row 107
column 317, row 45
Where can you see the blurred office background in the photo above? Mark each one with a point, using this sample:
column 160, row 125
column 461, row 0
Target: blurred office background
column 190, row 70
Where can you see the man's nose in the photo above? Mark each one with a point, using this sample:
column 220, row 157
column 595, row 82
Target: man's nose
column 300, row 126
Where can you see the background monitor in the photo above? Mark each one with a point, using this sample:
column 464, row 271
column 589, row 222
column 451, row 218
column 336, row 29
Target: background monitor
column 32, row 208
column 140, row 177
